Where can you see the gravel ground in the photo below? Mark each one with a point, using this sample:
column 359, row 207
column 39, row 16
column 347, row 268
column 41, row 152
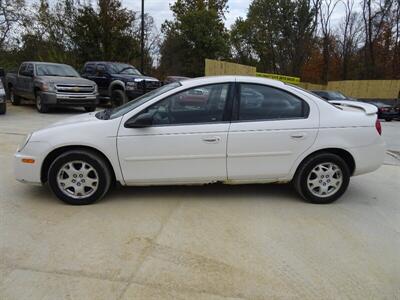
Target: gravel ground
column 212, row 242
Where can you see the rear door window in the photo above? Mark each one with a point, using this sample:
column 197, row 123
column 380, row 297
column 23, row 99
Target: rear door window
column 261, row 102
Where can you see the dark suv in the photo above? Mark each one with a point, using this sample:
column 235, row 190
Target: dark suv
column 118, row 82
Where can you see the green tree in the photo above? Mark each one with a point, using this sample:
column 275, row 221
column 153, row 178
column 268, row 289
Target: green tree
column 105, row 32
column 196, row 33
column 240, row 38
column 276, row 33
column 11, row 14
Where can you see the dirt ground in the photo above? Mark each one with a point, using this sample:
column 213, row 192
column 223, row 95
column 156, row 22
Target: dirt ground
column 212, row 242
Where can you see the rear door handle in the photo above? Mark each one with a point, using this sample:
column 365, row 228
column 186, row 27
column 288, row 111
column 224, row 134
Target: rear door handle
column 211, row 139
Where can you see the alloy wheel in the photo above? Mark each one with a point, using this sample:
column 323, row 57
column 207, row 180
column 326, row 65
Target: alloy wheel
column 78, row 179
column 325, row 179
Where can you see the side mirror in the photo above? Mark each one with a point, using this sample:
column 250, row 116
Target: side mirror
column 143, row 120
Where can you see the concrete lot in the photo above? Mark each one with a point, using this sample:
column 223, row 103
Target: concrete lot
column 213, row 242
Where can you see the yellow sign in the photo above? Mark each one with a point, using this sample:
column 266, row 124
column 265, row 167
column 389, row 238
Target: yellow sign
column 284, row 78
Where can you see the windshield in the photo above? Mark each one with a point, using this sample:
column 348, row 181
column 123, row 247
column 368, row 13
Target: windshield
column 123, row 69
column 123, row 109
column 56, row 70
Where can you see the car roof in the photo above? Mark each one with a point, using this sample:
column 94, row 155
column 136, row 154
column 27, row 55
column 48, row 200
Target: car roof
column 106, row 62
column 231, row 78
column 43, row 62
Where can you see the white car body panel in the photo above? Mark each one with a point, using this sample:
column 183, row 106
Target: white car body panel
column 169, row 154
column 230, row 152
column 266, row 150
column 83, row 130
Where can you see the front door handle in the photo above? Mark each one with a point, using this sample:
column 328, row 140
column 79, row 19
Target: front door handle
column 298, row 135
column 211, row 139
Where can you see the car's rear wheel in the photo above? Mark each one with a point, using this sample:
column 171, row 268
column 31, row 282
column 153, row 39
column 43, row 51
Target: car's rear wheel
column 15, row 100
column 322, row 178
column 79, row 177
column 388, row 119
column 118, row 98
column 40, row 106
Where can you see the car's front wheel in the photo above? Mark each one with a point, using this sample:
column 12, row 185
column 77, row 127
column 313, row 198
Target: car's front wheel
column 388, row 119
column 15, row 100
column 118, row 98
column 79, row 177
column 40, row 106
column 322, row 178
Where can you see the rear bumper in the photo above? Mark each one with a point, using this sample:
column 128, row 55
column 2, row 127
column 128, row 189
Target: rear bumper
column 53, row 99
column 368, row 158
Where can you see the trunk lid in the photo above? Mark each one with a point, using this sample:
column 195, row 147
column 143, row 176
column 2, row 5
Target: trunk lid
column 368, row 109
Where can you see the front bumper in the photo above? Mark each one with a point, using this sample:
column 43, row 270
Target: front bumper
column 53, row 99
column 30, row 172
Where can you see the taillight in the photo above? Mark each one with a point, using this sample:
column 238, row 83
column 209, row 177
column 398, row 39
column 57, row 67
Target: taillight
column 378, row 126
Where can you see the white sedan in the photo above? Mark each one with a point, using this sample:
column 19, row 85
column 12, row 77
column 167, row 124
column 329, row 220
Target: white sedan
column 227, row 129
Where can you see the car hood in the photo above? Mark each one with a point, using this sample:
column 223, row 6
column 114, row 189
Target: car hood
column 87, row 117
column 65, row 80
column 78, row 128
column 126, row 77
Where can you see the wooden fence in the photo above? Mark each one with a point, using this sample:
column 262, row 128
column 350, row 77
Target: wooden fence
column 363, row 89
column 217, row 67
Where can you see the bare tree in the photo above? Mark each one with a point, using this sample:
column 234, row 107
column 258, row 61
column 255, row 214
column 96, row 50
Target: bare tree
column 349, row 36
column 375, row 14
column 326, row 10
column 11, row 13
column 396, row 48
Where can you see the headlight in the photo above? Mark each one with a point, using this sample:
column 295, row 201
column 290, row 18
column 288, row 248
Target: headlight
column 47, row 86
column 131, row 85
column 24, row 142
column 95, row 89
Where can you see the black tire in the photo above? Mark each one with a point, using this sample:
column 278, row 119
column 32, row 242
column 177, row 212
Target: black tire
column 15, row 100
column 388, row 120
column 305, row 170
column 89, row 157
column 118, row 97
column 90, row 108
column 3, row 108
column 40, row 106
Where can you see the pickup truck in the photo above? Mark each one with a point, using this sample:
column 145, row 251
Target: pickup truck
column 118, row 82
column 50, row 85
